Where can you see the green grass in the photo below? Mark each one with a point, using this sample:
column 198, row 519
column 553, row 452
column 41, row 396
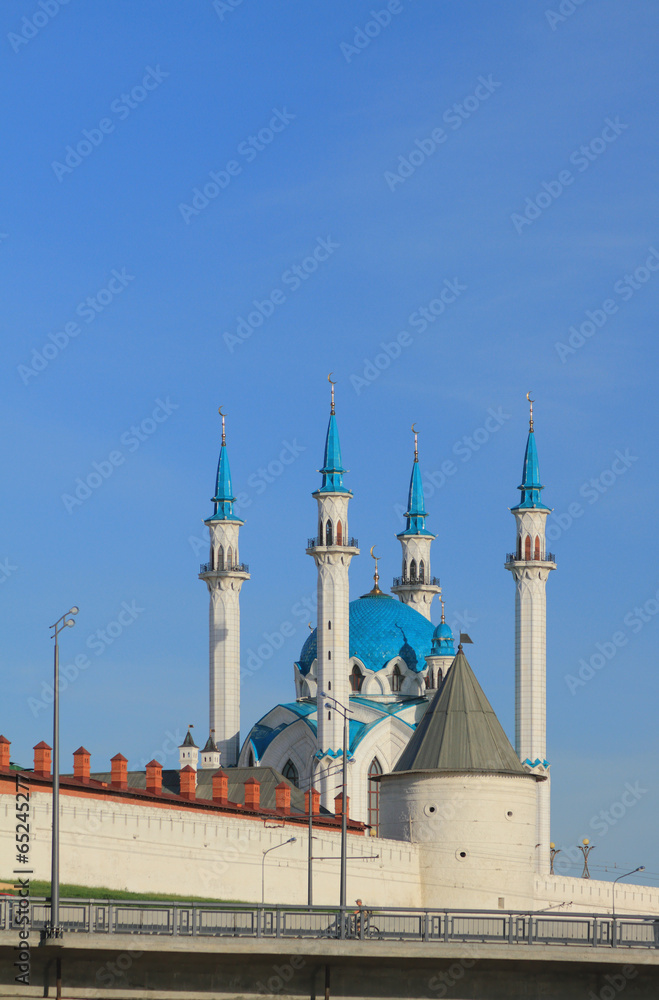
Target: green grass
column 40, row 888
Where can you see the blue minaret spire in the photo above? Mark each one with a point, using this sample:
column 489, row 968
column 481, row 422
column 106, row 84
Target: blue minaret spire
column 332, row 470
column 531, row 485
column 224, row 497
column 416, row 512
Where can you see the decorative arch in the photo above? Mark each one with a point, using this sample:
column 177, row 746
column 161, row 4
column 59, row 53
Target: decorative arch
column 413, row 571
column 229, row 558
column 430, row 681
column 536, row 553
column 329, row 532
column 396, row 679
column 527, row 547
column 356, row 679
column 422, row 572
column 373, row 795
column 220, row 557
column 291, row 773
column 339, row 534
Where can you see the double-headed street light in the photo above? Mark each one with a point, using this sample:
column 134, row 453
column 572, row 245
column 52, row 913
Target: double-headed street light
column 344, row 800
column 54, row 930
column 291, row 840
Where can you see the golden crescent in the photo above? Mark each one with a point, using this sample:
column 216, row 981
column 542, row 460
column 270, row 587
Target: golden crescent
column 329, row 379
column 414, row 430
column 372, row 556
column 220, row 411
column 528, row 396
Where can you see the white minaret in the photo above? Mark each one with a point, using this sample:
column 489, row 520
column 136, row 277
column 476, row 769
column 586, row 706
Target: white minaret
column 332, row 550
column 441, row 657
column 224, row 575
column 416, row 586
column 530, row 565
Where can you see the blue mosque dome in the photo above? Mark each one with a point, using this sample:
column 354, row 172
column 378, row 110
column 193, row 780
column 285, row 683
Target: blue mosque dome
column 380, row 629
column 442, row 640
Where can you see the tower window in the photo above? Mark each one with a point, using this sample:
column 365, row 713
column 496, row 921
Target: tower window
column 220, row 557
column 396, row 680
column 339, row 534
column 329, row 716
column 356, row 679
column 329, row 532
column 329, row 685
column 413, row 571
column 519, row 547
column 329, row 654
column 290, row 772
column 329, row 625
column 422, row 571
column 527, row 547
column 536, row 554
column 429, row 679
column 374, row 795
column 229, row 558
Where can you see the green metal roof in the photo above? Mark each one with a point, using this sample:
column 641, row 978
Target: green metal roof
column 460, row 731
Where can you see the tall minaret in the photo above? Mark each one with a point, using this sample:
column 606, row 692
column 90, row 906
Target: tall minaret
column 416, row 586
column 224, row 575
column 332, row 551
column 530, row 565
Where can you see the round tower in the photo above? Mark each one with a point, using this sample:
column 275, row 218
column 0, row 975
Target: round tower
column 530, row 565
column 224, row 576
column 416, row 586
column 332, row 550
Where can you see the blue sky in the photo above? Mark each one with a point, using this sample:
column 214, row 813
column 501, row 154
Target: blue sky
column 491, row 150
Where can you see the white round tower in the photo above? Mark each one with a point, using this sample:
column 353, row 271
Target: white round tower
column 530, row 565
column 224, row 576
column 332, row 550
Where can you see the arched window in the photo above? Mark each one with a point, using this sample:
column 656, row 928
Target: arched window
column 536, row 554
column 429, row 679
column 374, row 796
column 212, row 562
column 329, row 625
column 250, row 759
column 339, row 534
column 220, row 557
column 527, row 547
column 396, row 679
column 356, row 679
column 329, row 533
column 290, row 772
column 229, row 558
column 519, row 547
column 329, row 654
column 439, row 678
column 422, row 571
column 413, row 571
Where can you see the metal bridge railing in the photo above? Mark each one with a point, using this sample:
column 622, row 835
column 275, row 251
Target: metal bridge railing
column 393, row 924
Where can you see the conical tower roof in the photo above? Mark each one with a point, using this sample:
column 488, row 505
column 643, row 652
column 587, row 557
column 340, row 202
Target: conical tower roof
column 460, row 731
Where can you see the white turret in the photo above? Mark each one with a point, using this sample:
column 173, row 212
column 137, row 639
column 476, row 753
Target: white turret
column 188, row 752
column 442, row 655
column 210, row 755
column 530, row 565
column 332, row 550
column 416, row 586
column 224, row 575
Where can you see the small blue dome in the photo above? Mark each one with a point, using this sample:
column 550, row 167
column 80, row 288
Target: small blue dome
column 442, row 640
column 380, row 629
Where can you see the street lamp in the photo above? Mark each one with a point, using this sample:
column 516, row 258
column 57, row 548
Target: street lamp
column 54, row 930
column 641, row 868
column 585, row 850
column 344, row 803
column 553, row 851
column 291, row 840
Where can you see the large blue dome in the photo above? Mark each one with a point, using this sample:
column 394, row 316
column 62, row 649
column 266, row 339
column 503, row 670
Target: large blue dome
column 381, row 628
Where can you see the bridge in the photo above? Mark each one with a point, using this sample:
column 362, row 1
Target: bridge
column 112, row 949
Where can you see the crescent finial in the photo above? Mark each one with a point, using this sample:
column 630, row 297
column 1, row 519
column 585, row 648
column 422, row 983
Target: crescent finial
column 531, row 402
column 329, row 379
column 416, row 442
column 223, row 415
column 372, row 556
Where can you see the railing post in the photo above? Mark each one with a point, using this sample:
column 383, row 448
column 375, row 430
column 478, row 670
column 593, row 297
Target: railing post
column 426, row 923
column 446, row 935
column 510, row 929
column 194, row 920
column 614, row 933
column 110, row 919
column 530, row 934
column 278, row 925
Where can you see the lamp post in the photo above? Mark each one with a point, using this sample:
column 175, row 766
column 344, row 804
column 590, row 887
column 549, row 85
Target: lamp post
column 291, row 840
column 54, row 930
column 585, row 850
column 344, row 805
column 326, row 771
column 641, row 868
column 553, row 851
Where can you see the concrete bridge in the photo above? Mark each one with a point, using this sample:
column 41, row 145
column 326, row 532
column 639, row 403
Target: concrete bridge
column 200, row 951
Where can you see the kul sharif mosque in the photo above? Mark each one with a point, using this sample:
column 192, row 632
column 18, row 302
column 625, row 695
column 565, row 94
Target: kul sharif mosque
column 380, row 658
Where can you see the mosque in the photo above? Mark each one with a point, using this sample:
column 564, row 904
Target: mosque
column 373, row 665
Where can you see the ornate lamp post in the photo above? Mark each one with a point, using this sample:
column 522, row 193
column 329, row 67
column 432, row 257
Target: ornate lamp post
column 585, row 850
column 553, row 851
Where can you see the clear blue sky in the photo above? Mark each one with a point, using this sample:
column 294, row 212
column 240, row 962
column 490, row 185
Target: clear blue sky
column 439, row 151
